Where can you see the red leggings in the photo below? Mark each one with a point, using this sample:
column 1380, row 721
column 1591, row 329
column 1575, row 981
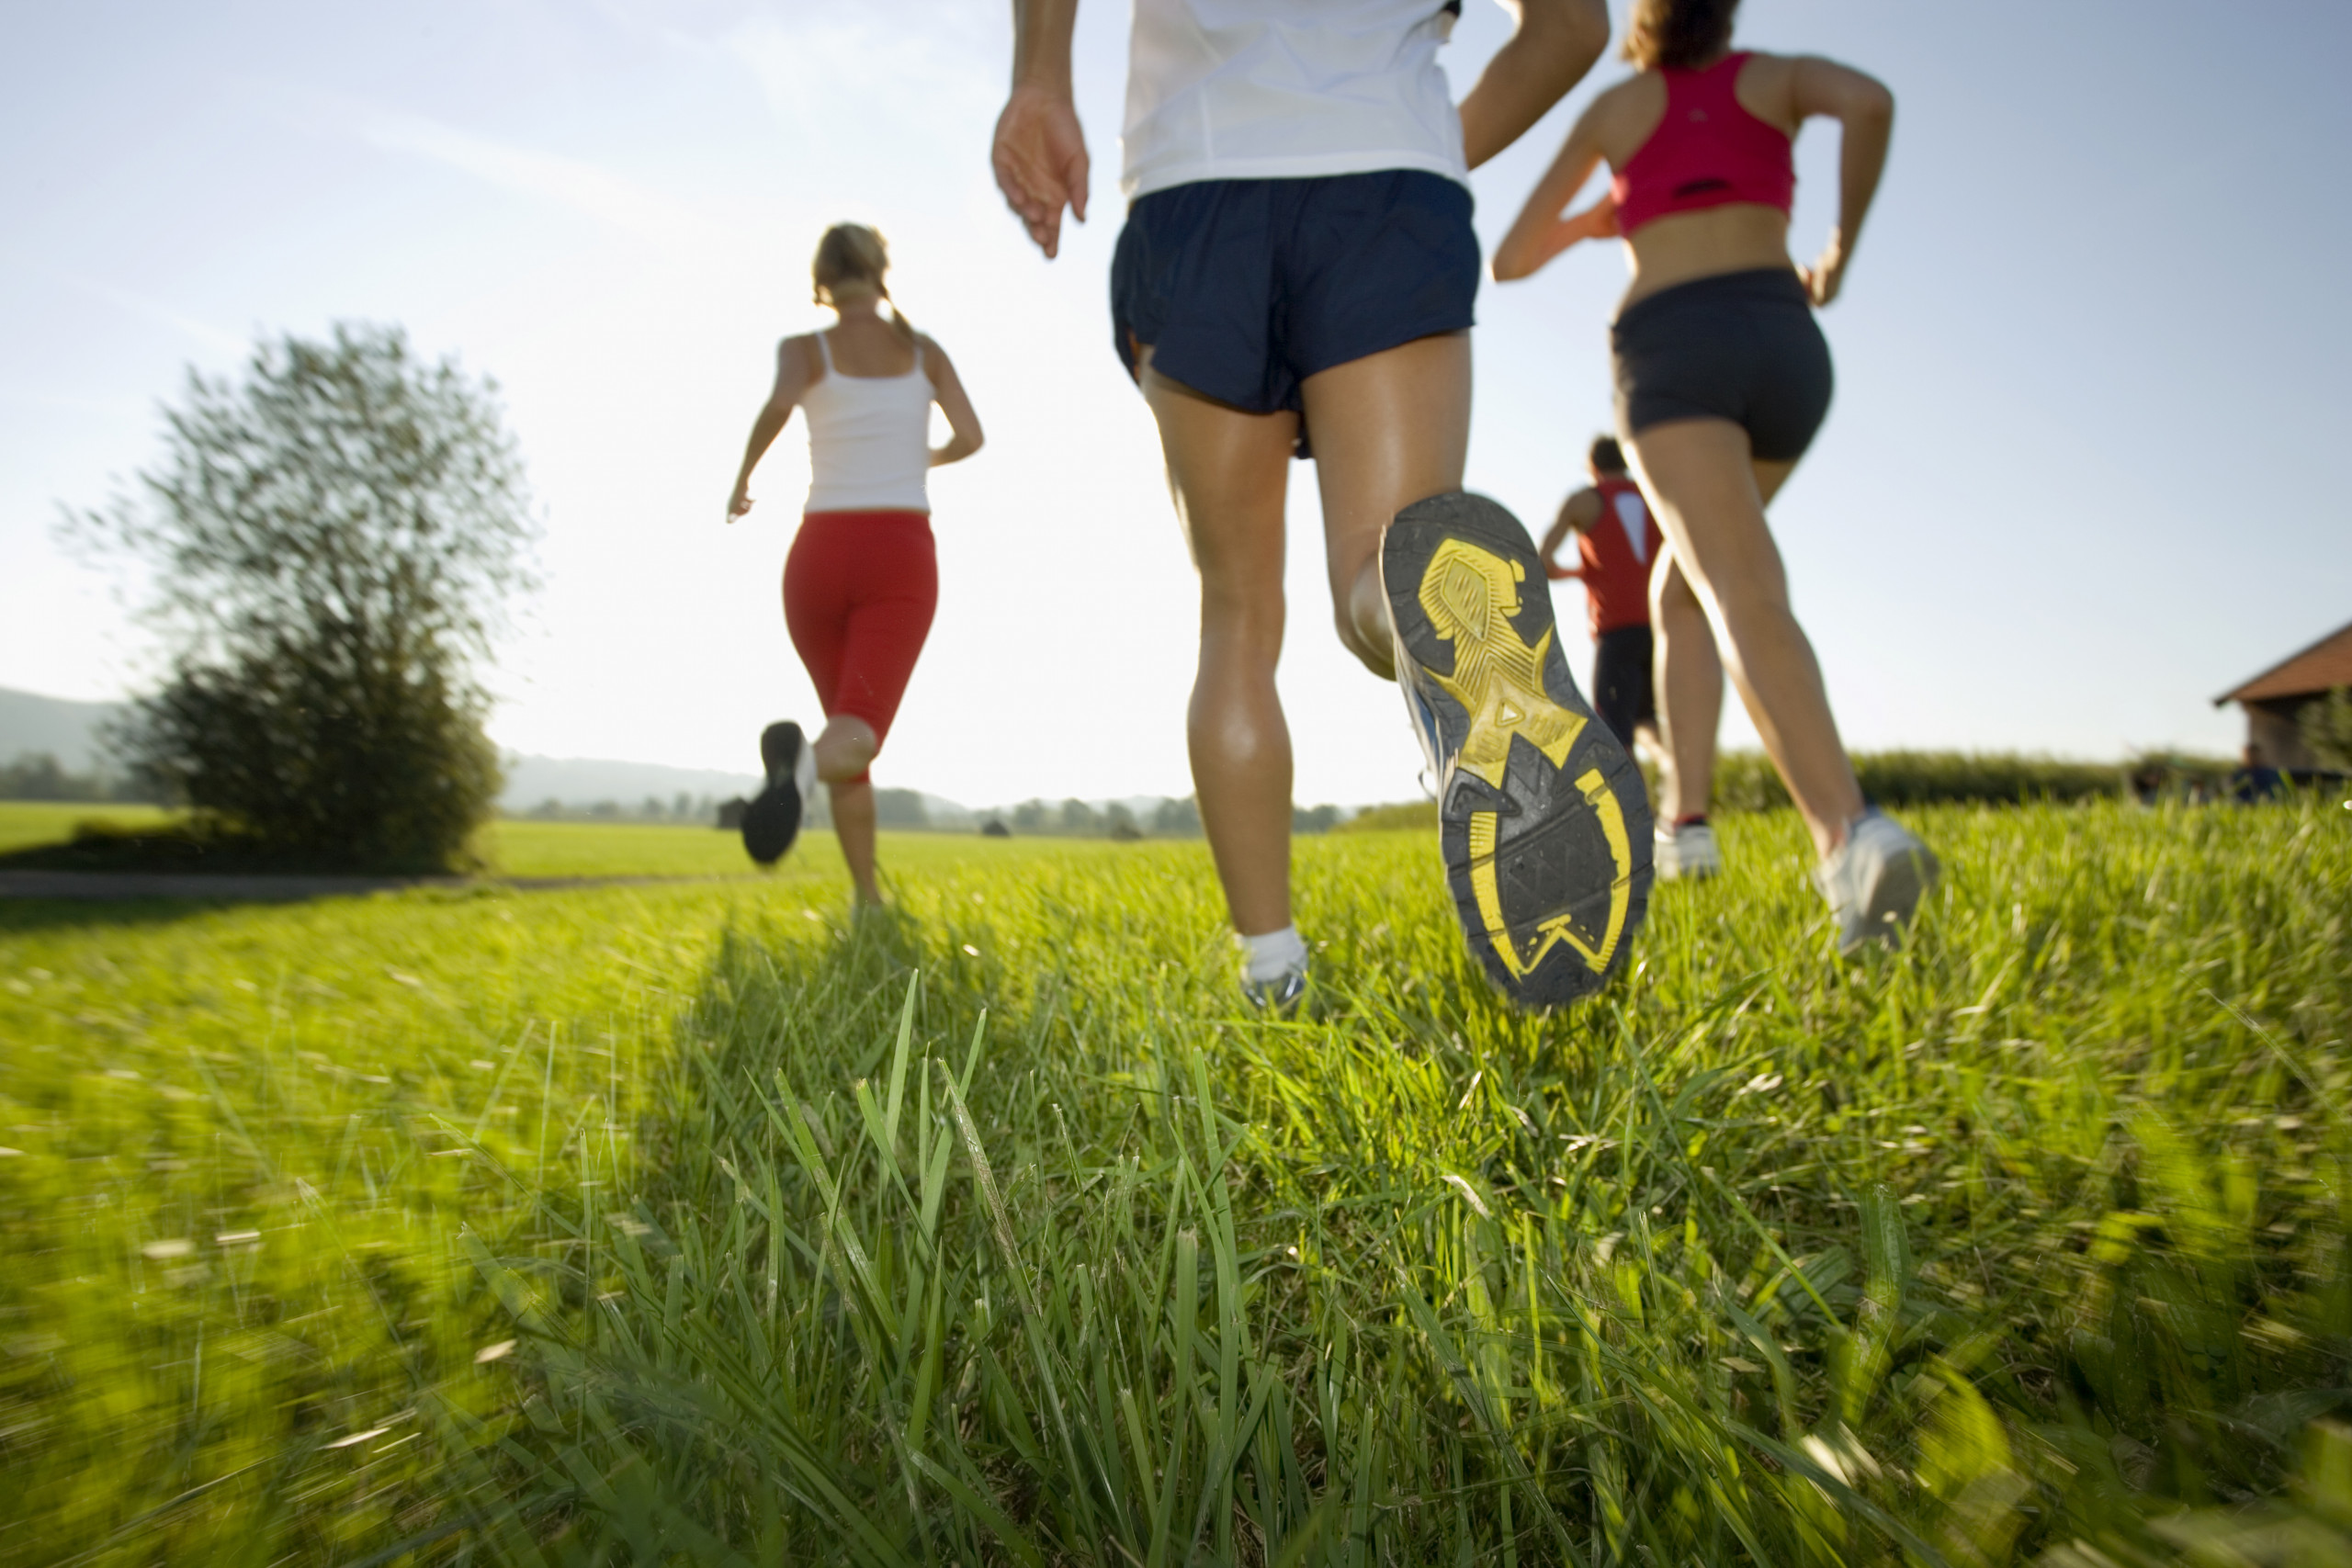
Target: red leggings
column 859, row 589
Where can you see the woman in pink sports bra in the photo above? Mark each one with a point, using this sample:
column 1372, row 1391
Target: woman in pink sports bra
column 1723, row 378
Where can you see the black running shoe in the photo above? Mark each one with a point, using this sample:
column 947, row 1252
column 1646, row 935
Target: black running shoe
column 773, row 819
column 1542, row 818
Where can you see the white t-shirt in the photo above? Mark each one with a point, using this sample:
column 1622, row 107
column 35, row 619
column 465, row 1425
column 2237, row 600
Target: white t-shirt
column 1287, row 89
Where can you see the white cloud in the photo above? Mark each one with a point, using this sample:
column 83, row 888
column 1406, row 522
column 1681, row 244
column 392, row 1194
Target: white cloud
column 567, row 182
column 219, row 339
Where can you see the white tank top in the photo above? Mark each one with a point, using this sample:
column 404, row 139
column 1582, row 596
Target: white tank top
column 869, row 439
column 1283, row 89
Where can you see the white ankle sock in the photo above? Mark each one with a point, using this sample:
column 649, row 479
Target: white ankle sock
column 1272, row 955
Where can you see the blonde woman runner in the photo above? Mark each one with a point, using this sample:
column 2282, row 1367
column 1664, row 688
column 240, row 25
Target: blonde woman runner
column 862, row 579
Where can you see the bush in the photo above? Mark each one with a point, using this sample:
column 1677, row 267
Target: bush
column 1416, row 814
column 1747, row 781
column 2328, row 729
column 327, row 547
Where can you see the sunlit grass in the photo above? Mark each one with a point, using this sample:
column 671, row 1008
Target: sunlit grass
column 2031, row 1234
column 24, row 823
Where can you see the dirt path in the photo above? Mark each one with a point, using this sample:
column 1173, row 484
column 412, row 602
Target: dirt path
column 279, row 889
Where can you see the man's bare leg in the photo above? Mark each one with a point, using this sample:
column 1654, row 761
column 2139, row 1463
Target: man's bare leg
column 1388, row 430
column 1227, row 470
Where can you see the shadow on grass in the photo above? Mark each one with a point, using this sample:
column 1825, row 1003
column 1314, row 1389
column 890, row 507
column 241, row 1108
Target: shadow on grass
column 30, row 917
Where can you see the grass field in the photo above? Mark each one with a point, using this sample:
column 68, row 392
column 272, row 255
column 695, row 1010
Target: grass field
column 700, row 1223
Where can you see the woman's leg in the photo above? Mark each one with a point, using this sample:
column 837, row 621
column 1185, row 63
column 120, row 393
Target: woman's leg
column 1388, row 430
column 888, row 590
column 1689, row 676
column 854, row 826
column 1709, row 495
column 1227, row 470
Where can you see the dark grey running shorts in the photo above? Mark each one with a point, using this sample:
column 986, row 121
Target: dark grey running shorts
column 1742, row 346
column 1620, row 680
column 1243, row 288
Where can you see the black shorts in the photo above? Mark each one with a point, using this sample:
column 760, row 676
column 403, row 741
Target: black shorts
column 1743, row 346
column 1243, row 288
column 1620, row 680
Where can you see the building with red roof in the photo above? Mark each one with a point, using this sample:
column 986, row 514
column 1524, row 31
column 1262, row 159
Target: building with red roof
column 2275, row 699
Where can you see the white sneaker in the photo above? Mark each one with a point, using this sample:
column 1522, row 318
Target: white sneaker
column 1686, row 849
column 1874, row 880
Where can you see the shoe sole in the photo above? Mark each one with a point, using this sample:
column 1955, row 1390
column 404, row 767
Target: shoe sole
column 1892, row 899
column 1542, row 817
column 772, row 819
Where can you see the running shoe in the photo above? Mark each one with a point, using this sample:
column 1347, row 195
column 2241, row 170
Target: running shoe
column 772, row 819
column 1687, row 850
column 1542, row 818
column 1874, row 880
column 1279, row 996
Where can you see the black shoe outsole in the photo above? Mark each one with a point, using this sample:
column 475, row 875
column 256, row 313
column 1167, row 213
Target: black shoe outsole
column 772, row 819
column 1542, row 817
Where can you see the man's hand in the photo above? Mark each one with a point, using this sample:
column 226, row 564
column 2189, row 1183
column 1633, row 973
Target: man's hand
column 1040, row 160
column 739, row 503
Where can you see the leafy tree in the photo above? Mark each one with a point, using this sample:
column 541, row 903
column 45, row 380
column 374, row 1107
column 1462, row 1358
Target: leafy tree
column 1177, row 818
column 1077, row 816
column 1030, row 816
column 328, row 545
column 2328, row 729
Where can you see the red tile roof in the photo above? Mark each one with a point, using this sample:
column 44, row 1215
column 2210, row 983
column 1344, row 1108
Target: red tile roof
column 2323, row 666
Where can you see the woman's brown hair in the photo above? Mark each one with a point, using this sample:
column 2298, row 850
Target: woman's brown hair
column 1679, row 34
column 851, row 253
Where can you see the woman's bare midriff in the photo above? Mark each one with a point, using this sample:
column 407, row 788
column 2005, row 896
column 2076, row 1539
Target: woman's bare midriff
column 1686, row 246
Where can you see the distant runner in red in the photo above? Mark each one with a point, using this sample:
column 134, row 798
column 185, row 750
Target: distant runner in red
column 1618, row 543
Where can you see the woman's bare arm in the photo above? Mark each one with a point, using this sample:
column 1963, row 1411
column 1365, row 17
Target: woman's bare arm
column 1864, row 111
column 793, row 379
column 948, row 390
column 1556, row 44
column 1539, row 232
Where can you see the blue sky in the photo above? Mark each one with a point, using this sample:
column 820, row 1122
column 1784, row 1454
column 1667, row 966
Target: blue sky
column 2085, row 469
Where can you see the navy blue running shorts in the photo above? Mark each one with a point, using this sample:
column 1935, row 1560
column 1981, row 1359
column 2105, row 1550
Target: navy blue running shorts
column 1243, row 288
column 1620, row 680
column 1741, row 345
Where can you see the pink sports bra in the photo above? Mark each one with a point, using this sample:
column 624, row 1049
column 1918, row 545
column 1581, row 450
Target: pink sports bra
column 1707, row 152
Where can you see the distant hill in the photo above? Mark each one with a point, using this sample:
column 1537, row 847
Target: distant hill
column 68, row 730
column 65, row 730
column 577, row 783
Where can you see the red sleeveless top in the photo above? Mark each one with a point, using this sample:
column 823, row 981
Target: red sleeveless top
column 1707, row 152
column 1618, row 551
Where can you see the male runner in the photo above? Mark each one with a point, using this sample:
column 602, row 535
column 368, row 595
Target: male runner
column 1298, row 261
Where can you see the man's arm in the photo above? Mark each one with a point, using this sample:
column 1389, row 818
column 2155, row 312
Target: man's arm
column 1040, row 153
column 1557, row 44
column 1579, row 512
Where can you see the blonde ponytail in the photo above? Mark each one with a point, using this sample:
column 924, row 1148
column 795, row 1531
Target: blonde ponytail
column 853, row 252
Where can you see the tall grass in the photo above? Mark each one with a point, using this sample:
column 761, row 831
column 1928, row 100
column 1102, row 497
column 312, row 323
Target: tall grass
column 702, row 1225
column 1001, row 1232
